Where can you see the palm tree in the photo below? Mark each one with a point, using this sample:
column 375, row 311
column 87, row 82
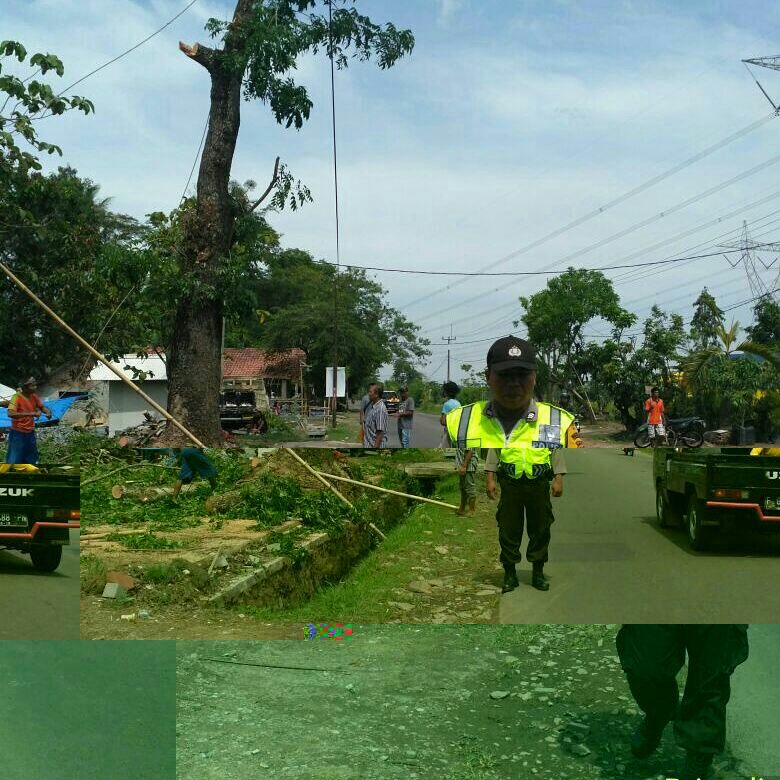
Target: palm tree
column 726, row 346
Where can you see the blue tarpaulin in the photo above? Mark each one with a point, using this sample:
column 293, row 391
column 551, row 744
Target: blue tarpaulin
column 58, row 409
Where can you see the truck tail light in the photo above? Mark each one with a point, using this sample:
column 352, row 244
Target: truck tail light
column 723, row 493
column 75, row 515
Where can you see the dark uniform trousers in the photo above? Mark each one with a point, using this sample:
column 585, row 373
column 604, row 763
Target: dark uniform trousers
column 524, row 501
column 652, row 655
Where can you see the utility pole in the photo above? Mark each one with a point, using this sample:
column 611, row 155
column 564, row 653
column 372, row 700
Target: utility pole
column 449, row 339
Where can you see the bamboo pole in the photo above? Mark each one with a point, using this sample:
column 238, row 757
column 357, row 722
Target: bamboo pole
column 104, row 360
column 387, row 490
column 319, row 477
column 327, row 484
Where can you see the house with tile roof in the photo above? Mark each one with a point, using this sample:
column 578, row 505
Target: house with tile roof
column 280, row 372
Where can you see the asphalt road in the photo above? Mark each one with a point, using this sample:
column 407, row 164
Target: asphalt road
column 754, row 710
column 610, row 562
column 88, row 710
column 39, row 606
column 426, row 431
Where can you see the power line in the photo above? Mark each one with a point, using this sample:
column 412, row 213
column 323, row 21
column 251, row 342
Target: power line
column 123, row 54
column 195, row 161
column 522, row 273
column 636, row 226
column 611, row 204
column 336, row 190
column 631, row 256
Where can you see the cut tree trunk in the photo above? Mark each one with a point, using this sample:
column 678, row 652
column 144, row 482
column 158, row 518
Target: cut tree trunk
column 194, row 349
column 147, row 494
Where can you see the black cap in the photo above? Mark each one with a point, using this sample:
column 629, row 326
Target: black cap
column 510, row 352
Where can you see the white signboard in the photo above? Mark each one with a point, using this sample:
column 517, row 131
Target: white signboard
column 341, row 390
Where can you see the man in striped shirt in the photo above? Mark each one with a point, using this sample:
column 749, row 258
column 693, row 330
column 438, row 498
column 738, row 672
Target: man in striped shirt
column 375, row 419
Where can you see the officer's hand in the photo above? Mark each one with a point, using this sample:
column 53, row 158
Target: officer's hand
column 492, row 489
column 557, row 486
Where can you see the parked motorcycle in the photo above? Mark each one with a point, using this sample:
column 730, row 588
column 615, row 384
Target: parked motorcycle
column 683, row 432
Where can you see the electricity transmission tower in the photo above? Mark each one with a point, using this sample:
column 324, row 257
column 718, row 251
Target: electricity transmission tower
column 751, row 260
column 773, row 63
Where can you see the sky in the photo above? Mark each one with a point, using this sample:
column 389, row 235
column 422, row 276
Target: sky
column 508, row 122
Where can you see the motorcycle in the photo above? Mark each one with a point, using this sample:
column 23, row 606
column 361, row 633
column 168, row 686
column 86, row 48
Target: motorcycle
column 683, row 432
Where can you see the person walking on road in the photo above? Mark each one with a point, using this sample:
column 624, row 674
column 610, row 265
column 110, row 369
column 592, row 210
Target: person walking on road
column 525, row 500
column 656, row 418
column 466, row 463
column 450, row 390
column 405, row 418
column 652, row 656
column 24, row 409
column 512, row 420
column 375, row 419
column 365, row 404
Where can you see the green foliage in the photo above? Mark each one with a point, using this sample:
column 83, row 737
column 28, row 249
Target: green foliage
column 33, row 99
column 301, row 297
column 271, row 500
column 556, row 319
column 707, row 318
column 766, row 323
column 620, row 371
column 70, row 249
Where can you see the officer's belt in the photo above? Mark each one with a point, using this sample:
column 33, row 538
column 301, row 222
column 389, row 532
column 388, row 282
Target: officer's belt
column 541, row 471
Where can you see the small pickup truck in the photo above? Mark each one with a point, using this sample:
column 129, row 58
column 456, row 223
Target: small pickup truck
column 38, row 507
column 708, row 491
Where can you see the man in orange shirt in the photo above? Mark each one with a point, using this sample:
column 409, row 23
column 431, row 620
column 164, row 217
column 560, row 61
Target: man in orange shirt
column 24, row 409
column 656, row 417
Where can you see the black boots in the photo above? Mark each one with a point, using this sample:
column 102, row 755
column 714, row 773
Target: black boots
column 538, row 580
column 646, row 738
column 510, row 578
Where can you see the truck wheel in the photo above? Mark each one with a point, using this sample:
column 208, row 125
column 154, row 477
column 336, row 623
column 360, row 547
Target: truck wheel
column 697, row 535
column 667, row 514
column 46, row 558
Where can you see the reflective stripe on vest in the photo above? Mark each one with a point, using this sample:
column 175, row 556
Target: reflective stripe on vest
column 463, row 426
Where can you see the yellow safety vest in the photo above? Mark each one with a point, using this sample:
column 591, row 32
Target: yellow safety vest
column 527, row 447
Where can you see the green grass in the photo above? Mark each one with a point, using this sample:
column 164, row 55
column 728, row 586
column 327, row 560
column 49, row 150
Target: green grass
column 361, row 596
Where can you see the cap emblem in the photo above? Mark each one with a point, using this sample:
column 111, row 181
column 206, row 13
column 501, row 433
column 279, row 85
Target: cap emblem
column 515, row 351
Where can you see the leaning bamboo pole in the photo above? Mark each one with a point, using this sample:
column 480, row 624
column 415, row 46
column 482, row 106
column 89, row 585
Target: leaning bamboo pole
column 104, row 360
column 387, row 490
column 327, row 484
column 320, row 478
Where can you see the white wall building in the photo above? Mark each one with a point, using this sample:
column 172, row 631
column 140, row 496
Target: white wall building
column 124, row 407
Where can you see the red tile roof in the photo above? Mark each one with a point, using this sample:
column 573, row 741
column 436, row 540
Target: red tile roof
column 250, row 362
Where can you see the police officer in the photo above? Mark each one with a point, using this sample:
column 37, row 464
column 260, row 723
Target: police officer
column 652, row 655
column 512, row 418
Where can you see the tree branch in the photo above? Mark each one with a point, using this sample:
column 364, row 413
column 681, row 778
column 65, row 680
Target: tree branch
column 268, row 189
column 201, row 54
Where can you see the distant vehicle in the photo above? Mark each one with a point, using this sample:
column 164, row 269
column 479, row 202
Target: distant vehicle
column 706, row 491
column 242, row 409
column 38, row 506
column 392, row 400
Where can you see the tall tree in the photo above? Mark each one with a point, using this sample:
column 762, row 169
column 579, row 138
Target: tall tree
column 707, row 318
column 766, row 322
column 261, row 46
column 557, row 316
column 296, row 297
